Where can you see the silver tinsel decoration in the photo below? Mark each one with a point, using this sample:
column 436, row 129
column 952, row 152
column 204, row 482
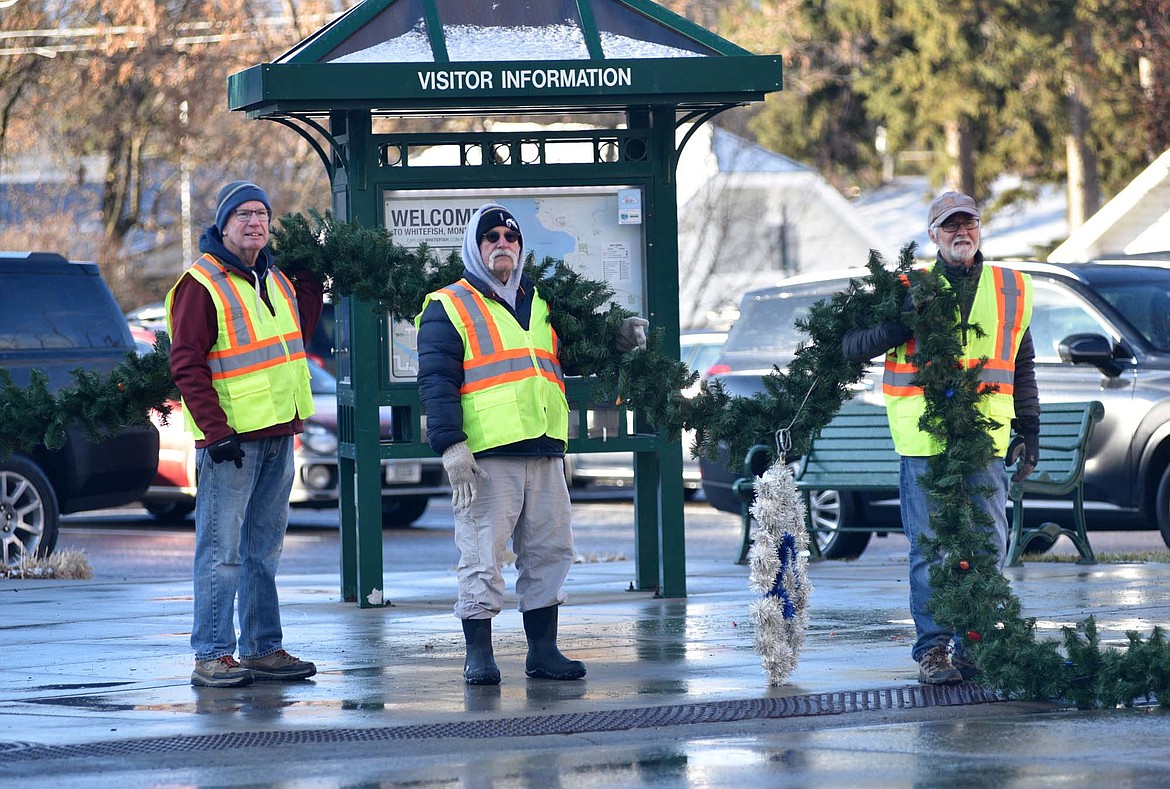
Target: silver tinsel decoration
column 779, row 562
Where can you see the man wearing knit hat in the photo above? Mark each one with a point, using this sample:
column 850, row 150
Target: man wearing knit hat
column 999, row 301
column 238, row 327
column 490, row 378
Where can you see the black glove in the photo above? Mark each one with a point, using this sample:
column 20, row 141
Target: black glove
column 1024, row 449
column 227, row 449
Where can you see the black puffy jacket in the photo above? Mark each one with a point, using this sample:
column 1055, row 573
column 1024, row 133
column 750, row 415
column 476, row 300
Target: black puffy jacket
column 440, row 375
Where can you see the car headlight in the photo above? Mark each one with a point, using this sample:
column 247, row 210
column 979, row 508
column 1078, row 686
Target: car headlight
column 319, row 439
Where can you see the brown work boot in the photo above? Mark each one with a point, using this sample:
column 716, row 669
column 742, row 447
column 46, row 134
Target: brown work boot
column 220, row 672
column 934, row 668
column 279, row 666
column 965, row 666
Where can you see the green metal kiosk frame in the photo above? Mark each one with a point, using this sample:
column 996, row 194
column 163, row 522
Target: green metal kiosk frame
column 628, row 58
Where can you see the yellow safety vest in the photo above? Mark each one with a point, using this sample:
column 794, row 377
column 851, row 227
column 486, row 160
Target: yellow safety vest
column 258, row 365
column 513, row 386
column 1003, row 309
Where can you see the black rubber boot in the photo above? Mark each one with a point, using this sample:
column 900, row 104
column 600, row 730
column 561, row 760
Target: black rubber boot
column 545, row 661
column 480, row 667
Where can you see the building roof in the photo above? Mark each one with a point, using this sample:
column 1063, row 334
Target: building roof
column 1135, row 222
column 417, row 56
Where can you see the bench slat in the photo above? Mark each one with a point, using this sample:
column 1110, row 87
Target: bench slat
column 855, row 452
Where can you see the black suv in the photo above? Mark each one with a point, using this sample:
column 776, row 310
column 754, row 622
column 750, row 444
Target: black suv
column 57, row 316
column 1101, row 331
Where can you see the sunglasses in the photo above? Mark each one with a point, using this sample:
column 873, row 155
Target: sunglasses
column 492, row 236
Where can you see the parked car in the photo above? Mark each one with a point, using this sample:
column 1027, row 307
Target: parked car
column 58, row 316
column 698, row 349
column 407, row 485
column 1101, row 331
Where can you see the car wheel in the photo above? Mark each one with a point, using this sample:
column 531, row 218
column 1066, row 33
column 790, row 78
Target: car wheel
column 830, row 510
column 398, row 512
column 29, row 517
column 1163, row 506
column 171, row 510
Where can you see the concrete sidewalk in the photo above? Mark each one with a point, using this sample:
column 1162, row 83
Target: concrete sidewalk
column 95, row 690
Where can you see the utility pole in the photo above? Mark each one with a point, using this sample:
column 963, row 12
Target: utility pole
column 184, row 190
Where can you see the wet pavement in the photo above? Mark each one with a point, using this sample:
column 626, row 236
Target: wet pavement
column 95, row 691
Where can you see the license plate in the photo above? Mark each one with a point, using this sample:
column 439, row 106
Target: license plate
column 398, row 472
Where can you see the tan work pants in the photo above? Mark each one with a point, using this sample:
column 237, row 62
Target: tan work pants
column 526, row 500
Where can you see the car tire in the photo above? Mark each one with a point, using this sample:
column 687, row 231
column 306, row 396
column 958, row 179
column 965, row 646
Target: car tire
column 29, row 516
column 829, row 510
column 1162, row 506
column 171, row 510
column 398, row 512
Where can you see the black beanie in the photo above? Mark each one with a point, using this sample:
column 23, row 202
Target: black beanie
column 495, row 217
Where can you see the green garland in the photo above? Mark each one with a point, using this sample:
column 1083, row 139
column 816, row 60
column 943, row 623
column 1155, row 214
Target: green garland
column 363, row 262
column 100, row 403
column 970, row 594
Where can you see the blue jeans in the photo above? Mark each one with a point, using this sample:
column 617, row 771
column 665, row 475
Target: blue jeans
column 240, row 518
column 916, row 509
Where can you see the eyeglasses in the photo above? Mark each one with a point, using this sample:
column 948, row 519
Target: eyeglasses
column 492, row 236
column 245, row 215
column 952, row 226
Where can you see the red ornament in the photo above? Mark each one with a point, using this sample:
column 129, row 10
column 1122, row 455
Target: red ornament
column 121, row 387
column 973, row 635
column 964, row 565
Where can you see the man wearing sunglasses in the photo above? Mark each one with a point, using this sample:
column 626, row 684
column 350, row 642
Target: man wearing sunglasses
column 999, row 301
column 491, row 382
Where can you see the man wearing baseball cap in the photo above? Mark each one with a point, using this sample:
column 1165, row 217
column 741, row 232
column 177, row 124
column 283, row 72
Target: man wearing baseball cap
column 999, row 301
column 490, row 379
column 238, row 328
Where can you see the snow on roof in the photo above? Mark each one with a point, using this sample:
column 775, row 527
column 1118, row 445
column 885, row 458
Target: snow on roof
column 734, row 154
column 496, row 44
column 1135, row 221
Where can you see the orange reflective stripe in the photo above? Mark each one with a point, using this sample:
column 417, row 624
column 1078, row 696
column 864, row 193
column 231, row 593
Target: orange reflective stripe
column 229, row 300
column 244, row 353
column 473, row 313
column 477, row 298
column 1010, row 299
column 474, row 346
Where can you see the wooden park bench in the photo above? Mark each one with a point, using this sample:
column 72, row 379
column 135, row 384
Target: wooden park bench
column 855, row 452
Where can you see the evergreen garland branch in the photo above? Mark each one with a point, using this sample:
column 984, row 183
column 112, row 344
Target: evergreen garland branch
column 100, row 403
column 969, row 594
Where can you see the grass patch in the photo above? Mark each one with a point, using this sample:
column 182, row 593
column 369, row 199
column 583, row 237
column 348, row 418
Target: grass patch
column 64, row 565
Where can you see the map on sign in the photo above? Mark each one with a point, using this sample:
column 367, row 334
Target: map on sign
column 595, row 231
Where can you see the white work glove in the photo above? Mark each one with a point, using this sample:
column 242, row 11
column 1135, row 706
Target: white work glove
column 632, row 334
column 462, row 471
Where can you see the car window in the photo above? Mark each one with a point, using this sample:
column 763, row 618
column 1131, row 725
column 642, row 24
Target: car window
column 702, row 357
column 53, row 311
column 1057, row 312
column 1145, row 304
column 767, row 322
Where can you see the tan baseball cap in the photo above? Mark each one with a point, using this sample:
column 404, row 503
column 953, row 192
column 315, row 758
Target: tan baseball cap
column 950, row 203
